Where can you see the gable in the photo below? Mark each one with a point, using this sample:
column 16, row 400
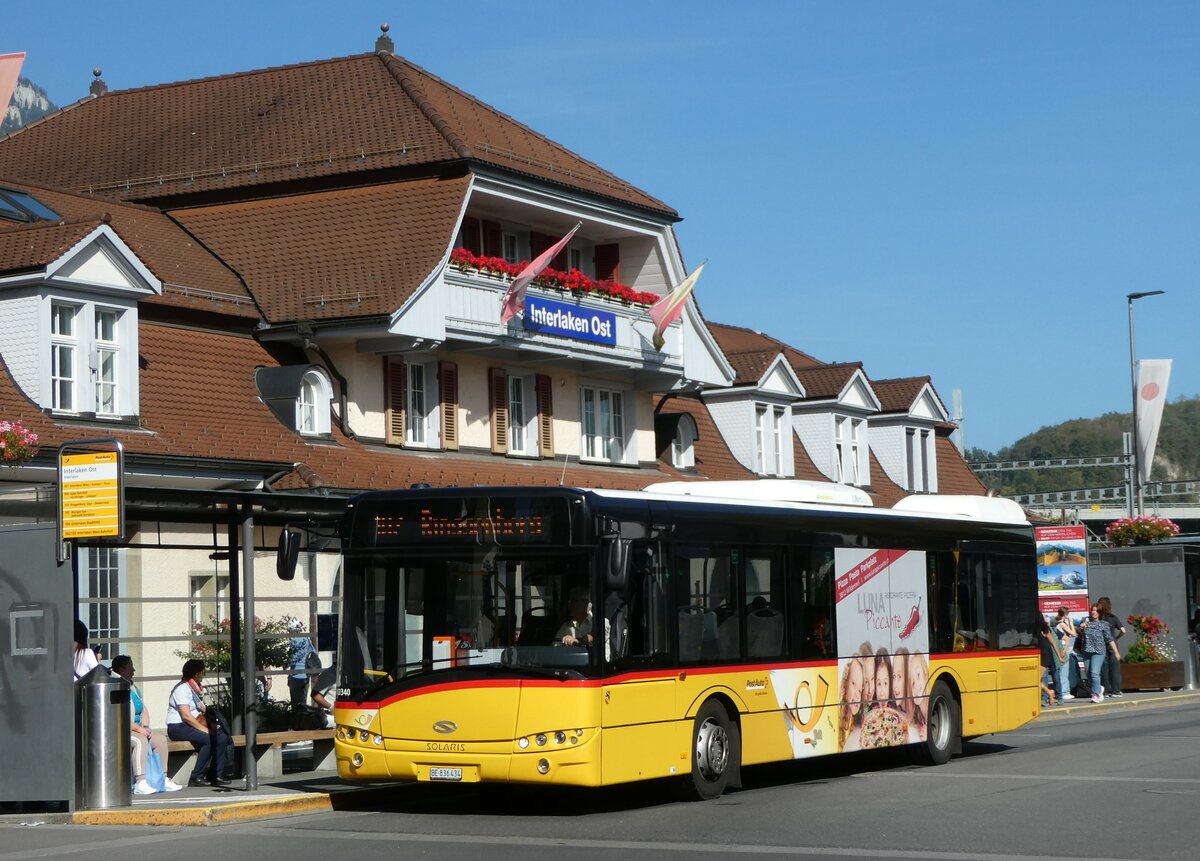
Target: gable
column 102, row 262
column 859, row 395
column 781, row 378
column 928, row 407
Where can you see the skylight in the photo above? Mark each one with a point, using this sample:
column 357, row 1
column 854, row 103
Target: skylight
column 22, row 206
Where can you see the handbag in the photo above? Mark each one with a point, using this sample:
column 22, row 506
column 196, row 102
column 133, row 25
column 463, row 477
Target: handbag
column 155, row 776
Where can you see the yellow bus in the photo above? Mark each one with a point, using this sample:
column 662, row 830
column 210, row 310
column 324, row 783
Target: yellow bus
column 588, row 637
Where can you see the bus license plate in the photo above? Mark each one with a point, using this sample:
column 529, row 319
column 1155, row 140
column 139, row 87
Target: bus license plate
column 445, row 774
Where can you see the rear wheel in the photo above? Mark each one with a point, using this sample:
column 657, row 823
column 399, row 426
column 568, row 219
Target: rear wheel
column 714, row 752
column 944, row 729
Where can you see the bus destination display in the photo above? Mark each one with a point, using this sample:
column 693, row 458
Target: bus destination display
column 480, row 521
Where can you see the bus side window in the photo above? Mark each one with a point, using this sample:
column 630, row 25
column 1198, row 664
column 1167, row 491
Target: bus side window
column 766, row 628
column 706, row 598
column 637, row 621
column 810, row 574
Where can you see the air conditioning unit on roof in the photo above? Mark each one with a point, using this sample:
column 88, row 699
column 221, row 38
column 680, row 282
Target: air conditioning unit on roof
column 768, row 490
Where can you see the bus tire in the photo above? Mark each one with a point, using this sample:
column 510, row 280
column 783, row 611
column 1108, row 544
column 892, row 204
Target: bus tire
column 714, row 751
column 944, row 726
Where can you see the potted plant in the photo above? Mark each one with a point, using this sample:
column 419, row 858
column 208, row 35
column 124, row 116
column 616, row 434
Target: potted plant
column 1150, row 661
column 1144, row 529
column 18, row 444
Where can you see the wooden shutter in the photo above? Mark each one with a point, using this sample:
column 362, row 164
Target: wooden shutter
column 539, row 242
column 608, row 262
column 545, row 407
column 471, row 235
column 448, row 383
column 493, row 239
column 395, row 382
column 498, row 402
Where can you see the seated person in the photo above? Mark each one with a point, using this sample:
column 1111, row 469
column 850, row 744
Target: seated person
column 577, row 629
column 141, row 735
column 187, row 720
column 324, row 693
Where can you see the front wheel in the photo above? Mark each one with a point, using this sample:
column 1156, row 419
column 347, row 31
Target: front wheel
column 943, row 733
column 714, row 752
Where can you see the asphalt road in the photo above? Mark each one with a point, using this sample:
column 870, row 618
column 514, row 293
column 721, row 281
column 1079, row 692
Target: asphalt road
column 1115, row 785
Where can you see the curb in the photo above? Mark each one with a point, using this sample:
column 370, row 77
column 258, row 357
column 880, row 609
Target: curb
column 1110, row 705
column 213, row 814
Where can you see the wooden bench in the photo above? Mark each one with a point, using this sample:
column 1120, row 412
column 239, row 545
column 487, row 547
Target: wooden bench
column 268, row 752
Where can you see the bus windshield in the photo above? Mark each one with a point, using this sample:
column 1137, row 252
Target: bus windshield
column 522, row 608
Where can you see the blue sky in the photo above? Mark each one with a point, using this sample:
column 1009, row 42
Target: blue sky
column 964, row 190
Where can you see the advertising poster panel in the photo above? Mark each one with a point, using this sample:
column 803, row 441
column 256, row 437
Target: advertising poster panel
column 1062, row 569
column 883, row 638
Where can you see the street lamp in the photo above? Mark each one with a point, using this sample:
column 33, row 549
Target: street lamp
column 1136, row 487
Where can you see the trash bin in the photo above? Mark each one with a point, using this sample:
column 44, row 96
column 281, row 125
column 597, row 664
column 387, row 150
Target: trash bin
column 103, row 769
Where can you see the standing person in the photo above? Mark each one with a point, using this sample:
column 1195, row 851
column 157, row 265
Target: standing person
column 1110, row 675
column 85, row 659
column 1053, row 656
column 1065, row 629
column 324, row 695
column 301, row 648
column 143, row 737
column 186, row 721
column 1097, row 643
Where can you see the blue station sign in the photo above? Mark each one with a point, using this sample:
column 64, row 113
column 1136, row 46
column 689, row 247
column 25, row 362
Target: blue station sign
column 570, row 321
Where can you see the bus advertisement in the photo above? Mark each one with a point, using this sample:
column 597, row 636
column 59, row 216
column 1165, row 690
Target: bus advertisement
column 582, row 637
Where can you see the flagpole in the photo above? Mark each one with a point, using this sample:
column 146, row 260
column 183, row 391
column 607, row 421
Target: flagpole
column 1136, row 490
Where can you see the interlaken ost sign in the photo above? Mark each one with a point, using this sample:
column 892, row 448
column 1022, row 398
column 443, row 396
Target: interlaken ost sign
column 570, row 321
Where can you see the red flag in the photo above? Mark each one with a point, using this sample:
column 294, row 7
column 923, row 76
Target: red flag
column 10, row 70
column 513, row 302
column 667, row 309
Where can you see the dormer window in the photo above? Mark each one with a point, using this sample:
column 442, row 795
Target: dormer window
column 86, row 373
column 64, row 348
column 108, row 349
column 920, row 462
column 683, row 444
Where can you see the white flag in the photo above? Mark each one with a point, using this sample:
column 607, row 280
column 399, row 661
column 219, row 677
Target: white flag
column 1151, row 397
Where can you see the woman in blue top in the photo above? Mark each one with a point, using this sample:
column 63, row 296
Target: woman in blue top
column 140, row 733
column 302, row 647
column 1097, row 642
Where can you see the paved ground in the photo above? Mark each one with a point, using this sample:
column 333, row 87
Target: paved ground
column 313, row 792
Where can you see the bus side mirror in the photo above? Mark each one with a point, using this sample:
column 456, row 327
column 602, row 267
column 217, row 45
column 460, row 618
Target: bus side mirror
column 616, row 563
column 289, row 552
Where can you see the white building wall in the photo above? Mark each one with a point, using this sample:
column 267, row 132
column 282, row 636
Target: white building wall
column 735, row 421
column 887, row 442
column 816, row 435
column 20, row 346
column 364, row 383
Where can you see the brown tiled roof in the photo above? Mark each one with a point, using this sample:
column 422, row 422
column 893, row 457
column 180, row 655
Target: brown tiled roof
column 750, row 365
column 805, row 468
column 898, row 395
column 350, row 252
column 335, row 117
column 751, row 353
column 827, row 381
column 28, row 247
column 954, row 476
column 192, row 277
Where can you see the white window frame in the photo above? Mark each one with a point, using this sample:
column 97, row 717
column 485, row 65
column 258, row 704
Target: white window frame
column 611, row 444
column 760, row 438
column 101, row 577
column 416, row 405
column 509, row 247
column 683, row 444
column 64, row 373
column 312, row 404
column 107, row 351
column 855, row 476
column 522, row 414
column 209, row 593
column 778, row 420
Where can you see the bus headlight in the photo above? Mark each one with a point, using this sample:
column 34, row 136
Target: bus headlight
column 541, row 740
column 543, row 766
column 378, row 740
column 357, row 759
column 560, row 737
column 363, row 735
column 523, row 742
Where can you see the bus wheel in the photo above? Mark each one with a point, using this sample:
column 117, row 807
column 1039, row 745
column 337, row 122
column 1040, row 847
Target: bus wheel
column 943, row 730
column 714, row 746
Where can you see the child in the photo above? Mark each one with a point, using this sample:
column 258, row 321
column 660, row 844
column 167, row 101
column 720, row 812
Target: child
column 900, row 698
column 918, row 678
column 883, row 678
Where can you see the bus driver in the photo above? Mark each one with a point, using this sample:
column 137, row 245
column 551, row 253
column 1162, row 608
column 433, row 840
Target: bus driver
column 577, row 629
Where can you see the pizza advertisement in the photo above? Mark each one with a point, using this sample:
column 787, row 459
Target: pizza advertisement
column 883, row 641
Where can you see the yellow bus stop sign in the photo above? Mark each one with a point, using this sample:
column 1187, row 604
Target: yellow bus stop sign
column 90, row 494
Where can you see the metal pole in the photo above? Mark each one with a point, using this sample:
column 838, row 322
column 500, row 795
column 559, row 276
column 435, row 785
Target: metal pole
column 249, row 763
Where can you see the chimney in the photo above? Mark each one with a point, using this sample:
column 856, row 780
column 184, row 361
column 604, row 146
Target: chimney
column 98, row 87
column 384, row 42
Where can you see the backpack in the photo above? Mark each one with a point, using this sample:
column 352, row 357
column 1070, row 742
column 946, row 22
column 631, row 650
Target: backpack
column 312, row 661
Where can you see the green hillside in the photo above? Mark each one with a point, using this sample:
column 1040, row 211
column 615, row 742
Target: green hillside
column 1176, row 458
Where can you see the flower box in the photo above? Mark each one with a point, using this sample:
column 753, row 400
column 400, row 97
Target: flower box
column 1152, row 675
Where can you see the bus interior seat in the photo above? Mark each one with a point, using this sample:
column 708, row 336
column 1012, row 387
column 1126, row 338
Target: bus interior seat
column 727, row 637
column 691, row 633
column 764, row 633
